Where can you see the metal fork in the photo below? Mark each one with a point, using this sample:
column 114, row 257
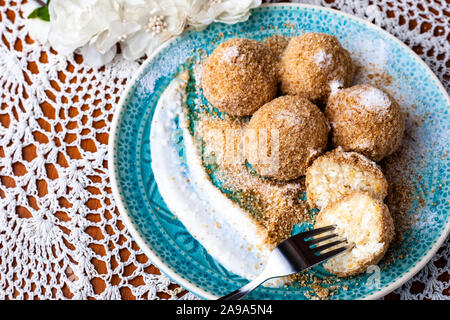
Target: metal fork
column 298, row 253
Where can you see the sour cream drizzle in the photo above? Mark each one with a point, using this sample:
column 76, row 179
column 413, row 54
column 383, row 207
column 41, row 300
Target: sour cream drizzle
column 226, row 231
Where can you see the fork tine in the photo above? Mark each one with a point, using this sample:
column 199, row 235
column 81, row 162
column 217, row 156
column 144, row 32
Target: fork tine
column 328, row 245
column 317, row 240
column 315, row 232
column 294, row 255
column 331, row 253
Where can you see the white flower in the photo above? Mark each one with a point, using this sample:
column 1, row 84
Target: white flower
column 75, row 23
column 118, row 31
column 204, row 12
column 37, row 29
column 159, row 21
column 93, row 57
column 94, row 27
column 237, row 10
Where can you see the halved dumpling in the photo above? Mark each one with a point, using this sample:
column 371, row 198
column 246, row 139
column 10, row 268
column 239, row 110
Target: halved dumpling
column 338, row 173
column 363, row 221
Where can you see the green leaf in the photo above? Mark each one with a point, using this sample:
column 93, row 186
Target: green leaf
column 40, row 13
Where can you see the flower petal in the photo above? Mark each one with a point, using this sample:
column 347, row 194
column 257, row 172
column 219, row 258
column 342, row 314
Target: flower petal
column 94, row 58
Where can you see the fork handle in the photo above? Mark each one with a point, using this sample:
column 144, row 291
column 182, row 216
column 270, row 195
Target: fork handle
column 249, row 287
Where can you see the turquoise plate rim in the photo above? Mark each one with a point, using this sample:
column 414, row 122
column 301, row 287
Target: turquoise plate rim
column 167, row 269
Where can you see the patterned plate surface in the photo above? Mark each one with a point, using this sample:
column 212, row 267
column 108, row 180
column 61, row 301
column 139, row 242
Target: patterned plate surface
column 166, row 241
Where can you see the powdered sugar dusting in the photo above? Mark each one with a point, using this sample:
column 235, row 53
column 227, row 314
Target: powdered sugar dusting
column 313, row 152
column 373, row 98
column 362, row 158
column 335, row 85
column 371, row 51
column 289, row 118
column 322, row 59
column 167, row 64
column 197, row 69
column 362, row 144
column 229, row 53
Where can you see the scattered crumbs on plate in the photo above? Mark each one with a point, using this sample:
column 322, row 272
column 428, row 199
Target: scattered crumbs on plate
column 265, row 198
column 273, row 204
column 290, row 25
column 219, row 37
column 318, row 288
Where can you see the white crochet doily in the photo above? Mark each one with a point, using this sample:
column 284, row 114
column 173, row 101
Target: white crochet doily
column 61, row 235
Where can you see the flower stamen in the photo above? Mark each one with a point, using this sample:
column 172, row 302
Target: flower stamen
column 122, row 37
column 156, row 24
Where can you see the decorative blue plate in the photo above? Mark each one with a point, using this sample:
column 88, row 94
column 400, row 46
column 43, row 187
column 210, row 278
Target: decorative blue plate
column 166, row 241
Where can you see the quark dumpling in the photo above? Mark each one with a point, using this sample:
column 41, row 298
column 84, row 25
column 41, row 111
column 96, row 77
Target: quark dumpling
column 363, row 221
column 338, row 173
column 240, row 76
column 314, row 63
column 365, row 119
column 284, row 136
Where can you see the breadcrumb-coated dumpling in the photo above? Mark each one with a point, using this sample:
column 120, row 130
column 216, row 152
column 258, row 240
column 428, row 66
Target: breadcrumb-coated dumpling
column 312, row 64
column 363, row 221
column 240, row 76
column 367, row 120
column 284, row 136
column 338, row 173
